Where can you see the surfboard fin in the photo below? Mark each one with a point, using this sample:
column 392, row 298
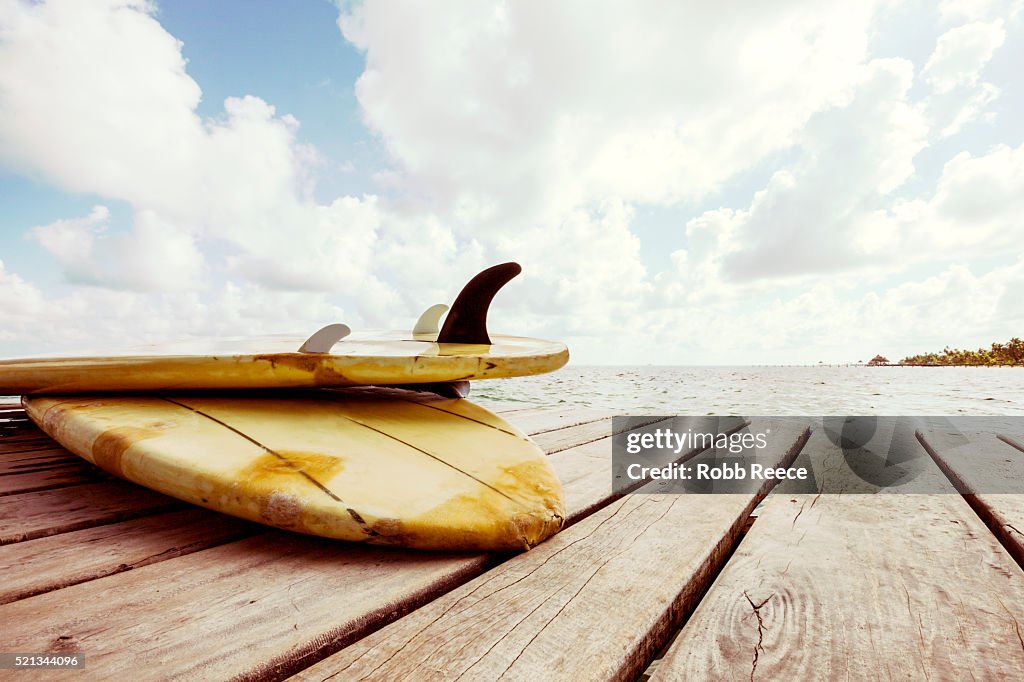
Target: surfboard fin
column 467, row 320
column 430, row 319
column 323, row 340
column 445, row 389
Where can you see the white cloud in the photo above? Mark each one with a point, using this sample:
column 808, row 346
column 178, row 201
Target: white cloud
column 799, row 225
column 969, row 109
column 96, row 99
column 154, row 255
column 588, row 264
column 977, row 206
column 959, row 11
column 525, row 111
column 98, row 319
column 808, row 219
column 961, row 53
column 537, row 129
column 974, row 212
column 955, row 307
column 833, row 320
column 94, row 95
column 18, row 299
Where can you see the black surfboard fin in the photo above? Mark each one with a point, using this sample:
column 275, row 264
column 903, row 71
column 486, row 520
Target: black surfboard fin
column 445, row 389
column 467, row 319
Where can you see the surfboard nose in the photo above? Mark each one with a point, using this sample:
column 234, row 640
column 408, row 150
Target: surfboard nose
column 486, row 521
column 536, row 527
column 516, row 511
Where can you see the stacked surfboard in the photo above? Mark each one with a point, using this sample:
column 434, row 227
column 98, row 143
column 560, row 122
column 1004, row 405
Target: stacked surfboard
column 359, row 437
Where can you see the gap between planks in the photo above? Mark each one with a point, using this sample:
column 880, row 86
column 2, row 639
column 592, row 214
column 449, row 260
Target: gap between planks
column 980, row 469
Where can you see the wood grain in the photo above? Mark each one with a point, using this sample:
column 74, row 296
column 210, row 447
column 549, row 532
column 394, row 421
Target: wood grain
column 22, row 463
column 33, row 443
column 854, row 586
column 50, row 563
column 236, row 608
column 35, row 515
column 48, row 478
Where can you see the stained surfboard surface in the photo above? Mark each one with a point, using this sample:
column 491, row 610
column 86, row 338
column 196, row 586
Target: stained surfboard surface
column 366, row 359
column 364, row 465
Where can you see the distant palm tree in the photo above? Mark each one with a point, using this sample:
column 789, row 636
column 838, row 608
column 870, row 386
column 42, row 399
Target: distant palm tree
column 1010, row 353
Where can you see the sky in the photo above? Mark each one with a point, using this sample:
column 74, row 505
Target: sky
column 682, row 182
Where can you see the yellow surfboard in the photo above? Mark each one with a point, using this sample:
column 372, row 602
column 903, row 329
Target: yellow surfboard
column 462, row 350
column 365, row 465
column 273, row 362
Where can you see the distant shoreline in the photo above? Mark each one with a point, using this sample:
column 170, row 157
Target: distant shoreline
column 1009, row 354
column 941, row 364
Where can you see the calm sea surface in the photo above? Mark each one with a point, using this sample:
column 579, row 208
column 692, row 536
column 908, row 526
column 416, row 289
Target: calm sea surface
column 820, row 390
column 816, row 390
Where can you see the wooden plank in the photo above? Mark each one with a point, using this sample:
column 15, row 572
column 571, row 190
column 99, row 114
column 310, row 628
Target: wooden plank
column 264, row 606
column 50, row 563
column 541, row 419
column 594, row 603
column 47, row 448
column 556, row 440
column 25, row 442
column 47, row 479
column 10, row 429
column 981, row 469
column 48, row 512
column 24, row 463
column 239, row 609
column 887, row 586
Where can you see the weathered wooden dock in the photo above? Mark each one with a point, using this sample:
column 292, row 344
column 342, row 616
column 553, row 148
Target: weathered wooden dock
column 896, row 586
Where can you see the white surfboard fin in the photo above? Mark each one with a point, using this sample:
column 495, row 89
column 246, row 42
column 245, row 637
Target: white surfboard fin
column 324, row 340
column 430, row 320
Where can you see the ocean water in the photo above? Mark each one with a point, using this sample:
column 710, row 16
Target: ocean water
column 792, row 390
